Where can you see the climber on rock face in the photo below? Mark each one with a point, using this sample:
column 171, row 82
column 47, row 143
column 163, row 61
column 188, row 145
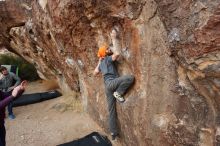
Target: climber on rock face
column 115, row 85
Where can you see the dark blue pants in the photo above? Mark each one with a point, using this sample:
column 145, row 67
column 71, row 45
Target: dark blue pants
column 10, row 105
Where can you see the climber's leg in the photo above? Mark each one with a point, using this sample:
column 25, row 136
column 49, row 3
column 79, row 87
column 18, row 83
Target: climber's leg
column 112, row 112
column 121, row 84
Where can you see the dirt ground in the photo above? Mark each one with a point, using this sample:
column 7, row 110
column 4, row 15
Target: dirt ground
column 48, row 123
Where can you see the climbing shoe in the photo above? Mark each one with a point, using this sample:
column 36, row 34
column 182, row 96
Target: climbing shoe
column 114, row 136
column 118, row 97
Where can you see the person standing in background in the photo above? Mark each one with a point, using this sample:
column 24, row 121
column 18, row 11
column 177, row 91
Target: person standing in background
column 7, row 85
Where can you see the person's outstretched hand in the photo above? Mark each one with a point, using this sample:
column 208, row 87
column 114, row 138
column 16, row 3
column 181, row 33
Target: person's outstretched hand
column 17, row 91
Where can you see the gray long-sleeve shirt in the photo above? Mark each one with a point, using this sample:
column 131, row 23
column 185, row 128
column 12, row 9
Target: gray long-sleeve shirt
column 7, row 81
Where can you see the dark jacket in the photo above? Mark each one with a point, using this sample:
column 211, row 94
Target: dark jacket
column 4, row 100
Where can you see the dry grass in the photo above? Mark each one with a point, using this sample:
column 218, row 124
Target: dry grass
column 69, row 101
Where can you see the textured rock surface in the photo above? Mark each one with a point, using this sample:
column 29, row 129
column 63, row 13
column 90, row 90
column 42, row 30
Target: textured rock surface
column 172, row 48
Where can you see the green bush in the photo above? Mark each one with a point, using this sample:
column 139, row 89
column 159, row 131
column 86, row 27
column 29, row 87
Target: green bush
column 26, row 71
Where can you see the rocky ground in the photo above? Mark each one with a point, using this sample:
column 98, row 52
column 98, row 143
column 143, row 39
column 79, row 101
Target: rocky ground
column 48, row 123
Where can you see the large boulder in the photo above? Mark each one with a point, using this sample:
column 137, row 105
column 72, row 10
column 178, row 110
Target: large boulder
column 171, row 47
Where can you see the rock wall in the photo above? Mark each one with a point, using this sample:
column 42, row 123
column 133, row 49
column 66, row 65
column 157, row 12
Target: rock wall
column 172, row 48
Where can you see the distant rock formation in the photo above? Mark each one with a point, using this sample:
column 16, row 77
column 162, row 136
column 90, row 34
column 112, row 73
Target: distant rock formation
column 172, row 48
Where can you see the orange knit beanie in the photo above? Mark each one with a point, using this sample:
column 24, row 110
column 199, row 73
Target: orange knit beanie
column 102, row 51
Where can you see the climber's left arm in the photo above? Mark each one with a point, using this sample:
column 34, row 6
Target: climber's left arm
column 96, row 71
